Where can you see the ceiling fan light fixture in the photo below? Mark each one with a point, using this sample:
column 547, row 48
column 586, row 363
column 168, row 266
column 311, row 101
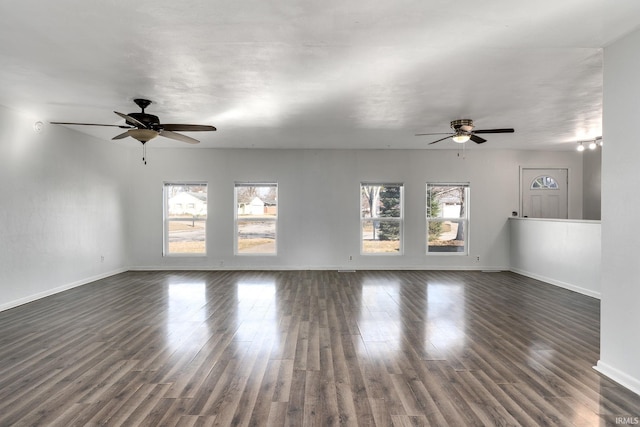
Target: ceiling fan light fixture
column 460, row 138
column 143, row 135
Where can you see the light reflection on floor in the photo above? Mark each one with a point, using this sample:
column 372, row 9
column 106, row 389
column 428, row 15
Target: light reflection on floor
column 186, row 315
column 445, row 316
column 379, row 311
column 256, row 309
column 437, row 319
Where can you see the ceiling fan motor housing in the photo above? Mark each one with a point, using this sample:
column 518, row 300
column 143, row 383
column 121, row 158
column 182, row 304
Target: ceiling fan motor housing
column 151, row 121
column 465, row 124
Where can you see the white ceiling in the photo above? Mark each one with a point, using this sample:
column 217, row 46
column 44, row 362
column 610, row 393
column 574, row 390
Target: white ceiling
column 317, row 74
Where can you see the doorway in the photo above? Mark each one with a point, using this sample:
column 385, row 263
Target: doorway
column 544, row 193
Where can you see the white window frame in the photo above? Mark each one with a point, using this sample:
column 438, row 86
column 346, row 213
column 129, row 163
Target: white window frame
column 464, row 219
column 166, row 220
column 238, row 220
column 399, row 220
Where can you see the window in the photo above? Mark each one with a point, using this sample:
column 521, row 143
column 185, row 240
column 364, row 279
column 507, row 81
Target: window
column 381, row 218
column 185, row 218
column 256, row 218
column 447, row 218
column 544, row 183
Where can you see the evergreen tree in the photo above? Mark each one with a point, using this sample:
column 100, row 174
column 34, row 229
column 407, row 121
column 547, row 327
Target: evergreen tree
column 435, row 227
column 389, row 208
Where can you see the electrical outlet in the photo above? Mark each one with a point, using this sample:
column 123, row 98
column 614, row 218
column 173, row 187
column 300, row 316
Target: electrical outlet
column 478, row 259
column 350, row 258
column 101, row 258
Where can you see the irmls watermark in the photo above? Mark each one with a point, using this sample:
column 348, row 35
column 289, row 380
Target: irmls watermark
column 629, row 421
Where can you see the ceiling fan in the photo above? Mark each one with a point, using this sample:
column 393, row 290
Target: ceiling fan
column 463, row 132
column 144, row 127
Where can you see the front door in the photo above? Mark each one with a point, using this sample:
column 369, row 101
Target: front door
column 544, row 193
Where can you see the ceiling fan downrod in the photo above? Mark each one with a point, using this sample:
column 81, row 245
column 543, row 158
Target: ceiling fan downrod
column 142, row 103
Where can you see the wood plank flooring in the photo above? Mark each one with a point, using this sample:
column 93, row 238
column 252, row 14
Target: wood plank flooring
column 307, row 348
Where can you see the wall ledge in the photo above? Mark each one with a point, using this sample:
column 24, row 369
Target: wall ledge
column 578, row 221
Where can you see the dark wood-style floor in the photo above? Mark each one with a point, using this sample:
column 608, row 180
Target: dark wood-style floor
column 307, row 348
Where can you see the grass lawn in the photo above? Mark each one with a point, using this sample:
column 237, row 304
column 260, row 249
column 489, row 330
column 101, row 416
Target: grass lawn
column 187, row 247
column 380, row 246
column 256, row 246
column 244, row 246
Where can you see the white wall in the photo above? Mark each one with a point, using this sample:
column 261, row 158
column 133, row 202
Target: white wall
column 61, row 209
column 592, row 184
column 69, row 199
column 620, row 307
column 565, row 253
column 318, row 193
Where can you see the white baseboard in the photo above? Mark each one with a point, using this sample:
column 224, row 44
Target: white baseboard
column 618, row 376
column 56, row 290
column 559, row 283
column 313, row 267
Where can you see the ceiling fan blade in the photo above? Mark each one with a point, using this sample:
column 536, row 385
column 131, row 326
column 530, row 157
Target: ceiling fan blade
column 178, row 137
column 509, row 130
column 441, row 139
column 187, row 128
column 132, row 120
column 439, row 133
column 121, row 136
column 90, row 124
column 477, row 139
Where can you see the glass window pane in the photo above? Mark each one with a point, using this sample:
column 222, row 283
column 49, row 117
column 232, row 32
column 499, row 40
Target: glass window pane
column 257, row 201
column 447, row 213
column 186, row 237
column 446, row 236
column 379, row 236
column 446, row 201
column 185, row 218
column 380, row 201
column 256, row 237
column 381, row 218
column 256, row 218
column 186, row 201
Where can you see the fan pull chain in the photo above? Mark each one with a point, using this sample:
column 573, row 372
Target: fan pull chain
column 462, row 150
column 144, row 153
